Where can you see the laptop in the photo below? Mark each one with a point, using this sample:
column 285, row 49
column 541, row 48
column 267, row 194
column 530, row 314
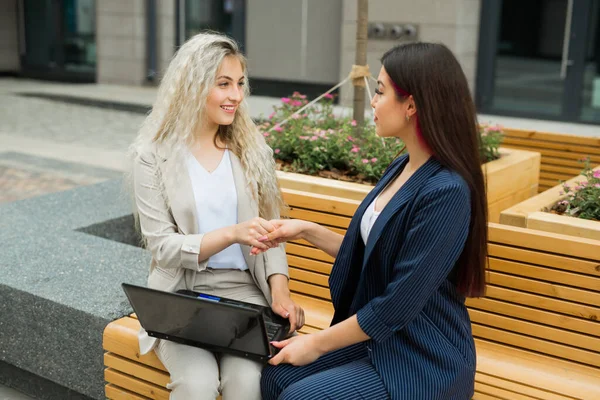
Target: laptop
column 214, row 323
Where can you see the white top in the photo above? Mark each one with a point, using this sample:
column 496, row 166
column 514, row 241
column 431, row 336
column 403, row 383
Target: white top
column 368, row 220
column 216, row 207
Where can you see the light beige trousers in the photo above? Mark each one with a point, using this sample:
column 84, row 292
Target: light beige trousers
column 198, row 374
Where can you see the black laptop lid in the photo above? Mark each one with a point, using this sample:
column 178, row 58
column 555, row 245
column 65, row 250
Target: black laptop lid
column 202, row 321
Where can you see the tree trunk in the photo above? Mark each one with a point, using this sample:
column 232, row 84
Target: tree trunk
column 361, row 58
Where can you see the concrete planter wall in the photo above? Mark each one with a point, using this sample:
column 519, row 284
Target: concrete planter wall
column 530, row 214
column 511, row 179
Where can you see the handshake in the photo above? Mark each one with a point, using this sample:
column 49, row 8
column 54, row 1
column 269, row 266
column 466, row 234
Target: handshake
column 262, row 235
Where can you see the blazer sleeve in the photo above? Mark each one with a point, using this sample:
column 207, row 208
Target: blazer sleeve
column 169, row 248
column 430, row 250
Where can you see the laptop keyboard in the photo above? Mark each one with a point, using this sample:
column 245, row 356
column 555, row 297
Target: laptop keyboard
column 271, row 329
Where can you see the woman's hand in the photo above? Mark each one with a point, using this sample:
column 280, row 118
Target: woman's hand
column 282, row 304
column 297, row 350
column 250, row 231
column 284, row 230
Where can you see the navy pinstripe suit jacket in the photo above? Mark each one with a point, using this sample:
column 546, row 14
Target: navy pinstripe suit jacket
column 400, row 285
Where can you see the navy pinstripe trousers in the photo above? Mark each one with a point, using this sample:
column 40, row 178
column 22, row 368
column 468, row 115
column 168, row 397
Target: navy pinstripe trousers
column 343, row 374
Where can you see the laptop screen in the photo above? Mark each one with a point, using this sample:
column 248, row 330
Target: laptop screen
column 200, row 321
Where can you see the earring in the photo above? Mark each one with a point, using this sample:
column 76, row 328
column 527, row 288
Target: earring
column 407, row 117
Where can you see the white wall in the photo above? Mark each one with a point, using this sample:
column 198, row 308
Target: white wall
column 454, row 23
column 294, row 40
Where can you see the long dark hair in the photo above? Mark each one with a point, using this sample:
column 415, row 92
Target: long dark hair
column 447, row 122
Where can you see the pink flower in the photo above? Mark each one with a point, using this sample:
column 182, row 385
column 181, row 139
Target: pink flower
column 355, row 149
column 597, row 185
column 285, row 100
column 350, row 139
column 579, row 187
column 305, row 115
column 312, row 139
column 597, row 174
column 328, row 96
column 278, row 128
column 272, row 115
column 266, row 134
column 296, row 116
column 373, row 159
column 353, row 123
column 303, row 137
column 277, row 151
column 296, row 103
column 365, row 161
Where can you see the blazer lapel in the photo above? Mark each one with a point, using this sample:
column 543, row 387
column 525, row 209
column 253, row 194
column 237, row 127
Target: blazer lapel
column 178, row 187
column 247, row 206
column 407, row 192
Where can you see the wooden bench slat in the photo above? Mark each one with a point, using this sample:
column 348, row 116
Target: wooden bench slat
column 318, row 312
column 309, row 277
column 547, row 274
column 551, row 260
column 310, row 265
column 135, row 385
column 544, row 303
column 570, row 171
column 523, row 366
column 552, row 137
column 557, row 153
column 533, row 392
column 309, row 252
column 546, row 289
column 328, row 204
column 551, row 145
column 309, row 289
column 557, row 177
column 535, row 344
column 121, row 337
column 116, row 393
column 130, row 367
column 484, row 396
column 329, row 220
column 308, row 330
column 580, row 248
column 539, row 331
column 499, row 393
column 558, row 161
column 525, row 312
column 547, row 184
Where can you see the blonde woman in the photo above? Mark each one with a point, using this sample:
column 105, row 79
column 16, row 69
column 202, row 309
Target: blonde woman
column 205, row 188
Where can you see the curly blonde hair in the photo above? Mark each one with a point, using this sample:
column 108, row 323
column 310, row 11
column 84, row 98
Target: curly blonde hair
column 179, row 110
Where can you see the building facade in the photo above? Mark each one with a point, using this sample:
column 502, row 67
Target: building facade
column 531, row 59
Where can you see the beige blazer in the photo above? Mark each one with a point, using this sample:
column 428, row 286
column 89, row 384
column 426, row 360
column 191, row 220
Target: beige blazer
column 172, row 232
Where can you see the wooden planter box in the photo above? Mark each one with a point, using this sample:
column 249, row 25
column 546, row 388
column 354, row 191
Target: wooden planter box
column 529, row 214
column 511, row 179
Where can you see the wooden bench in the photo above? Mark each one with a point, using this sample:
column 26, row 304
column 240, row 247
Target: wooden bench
column 537, row 332
column 131, row 376
column 560, row 153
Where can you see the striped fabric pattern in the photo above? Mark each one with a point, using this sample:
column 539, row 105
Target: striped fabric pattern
column 399, row 286
column 343, row 374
